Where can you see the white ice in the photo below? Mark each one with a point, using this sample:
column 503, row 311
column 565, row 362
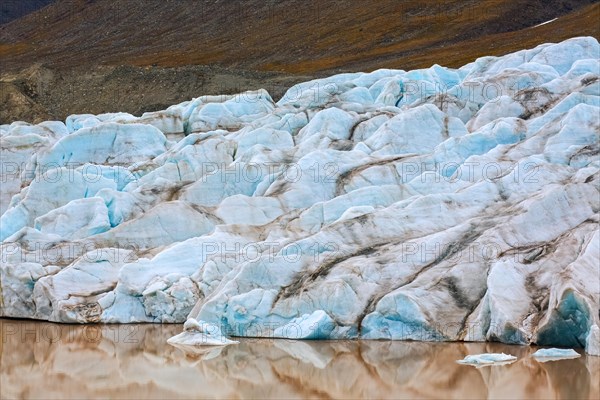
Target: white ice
column 554, row 354
column 488, row 359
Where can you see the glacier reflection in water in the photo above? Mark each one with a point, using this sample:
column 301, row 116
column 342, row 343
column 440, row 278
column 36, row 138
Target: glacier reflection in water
column 50, row 361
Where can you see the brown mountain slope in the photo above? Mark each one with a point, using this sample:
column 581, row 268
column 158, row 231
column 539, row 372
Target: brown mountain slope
column 76, row 56
column 39, row 93
column 292, row 36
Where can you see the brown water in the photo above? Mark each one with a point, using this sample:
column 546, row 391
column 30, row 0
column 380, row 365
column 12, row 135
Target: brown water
column 49, row 361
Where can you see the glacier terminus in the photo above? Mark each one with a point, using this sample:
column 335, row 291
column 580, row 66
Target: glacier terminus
column 435, row 204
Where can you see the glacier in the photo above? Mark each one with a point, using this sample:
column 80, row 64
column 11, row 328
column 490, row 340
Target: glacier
column 436, row 204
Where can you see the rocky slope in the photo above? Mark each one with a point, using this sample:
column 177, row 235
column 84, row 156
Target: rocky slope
column 100, row 56
column 294, row 36
column 39, row 93
column 434, row 204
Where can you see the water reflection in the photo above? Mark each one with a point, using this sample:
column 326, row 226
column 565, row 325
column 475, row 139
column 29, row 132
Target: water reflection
column 42, row 360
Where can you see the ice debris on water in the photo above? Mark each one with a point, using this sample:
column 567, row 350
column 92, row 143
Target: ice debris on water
column 488, row 359
column 554, row 354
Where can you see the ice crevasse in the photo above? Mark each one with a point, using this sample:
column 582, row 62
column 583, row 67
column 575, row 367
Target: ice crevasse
column 434, row 204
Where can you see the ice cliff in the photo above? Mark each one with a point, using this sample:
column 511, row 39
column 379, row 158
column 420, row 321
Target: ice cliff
column 435, row 204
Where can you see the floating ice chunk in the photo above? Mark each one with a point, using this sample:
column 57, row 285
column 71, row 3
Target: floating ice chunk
column 488, row 359
column 200, row 333
column 554, row 354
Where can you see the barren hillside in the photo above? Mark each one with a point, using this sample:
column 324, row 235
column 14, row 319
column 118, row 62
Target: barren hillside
column 274, row 42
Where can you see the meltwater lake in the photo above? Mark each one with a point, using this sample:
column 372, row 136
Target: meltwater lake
column 54, row 361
